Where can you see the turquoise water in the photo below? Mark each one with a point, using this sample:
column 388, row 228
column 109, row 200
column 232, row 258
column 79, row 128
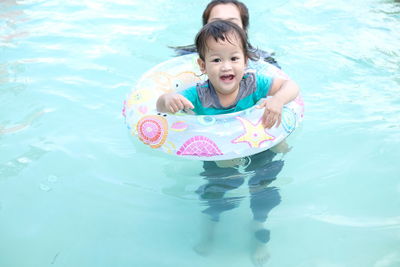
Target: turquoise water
column 75, row 191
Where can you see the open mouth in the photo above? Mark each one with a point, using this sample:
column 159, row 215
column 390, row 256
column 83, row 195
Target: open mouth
column 227, row 77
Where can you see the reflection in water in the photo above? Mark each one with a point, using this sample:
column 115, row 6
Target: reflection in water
column 21, row 126
column 10, row 17
column 261, row 170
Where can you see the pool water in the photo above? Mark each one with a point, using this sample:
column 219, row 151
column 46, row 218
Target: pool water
column 75, row 189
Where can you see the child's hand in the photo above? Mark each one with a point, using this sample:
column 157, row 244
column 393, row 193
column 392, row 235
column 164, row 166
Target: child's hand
column 174, row 102
column 273, row 111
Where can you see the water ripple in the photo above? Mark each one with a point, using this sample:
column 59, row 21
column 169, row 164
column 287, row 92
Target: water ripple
column 391, row 222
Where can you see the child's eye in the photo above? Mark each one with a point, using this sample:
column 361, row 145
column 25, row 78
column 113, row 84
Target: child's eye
column 216, row 60
column 235, row 58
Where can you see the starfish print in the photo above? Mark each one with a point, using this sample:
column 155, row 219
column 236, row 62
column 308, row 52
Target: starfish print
column 254, row 134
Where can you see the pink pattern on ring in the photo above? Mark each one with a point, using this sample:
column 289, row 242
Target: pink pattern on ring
column 200, row 146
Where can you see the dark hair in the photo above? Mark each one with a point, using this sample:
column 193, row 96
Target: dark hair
column 219, row 30
column 244, row 12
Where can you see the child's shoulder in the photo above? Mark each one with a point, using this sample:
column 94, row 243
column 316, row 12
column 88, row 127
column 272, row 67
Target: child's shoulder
column 196, row 91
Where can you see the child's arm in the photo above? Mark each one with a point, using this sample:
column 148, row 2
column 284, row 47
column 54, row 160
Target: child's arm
column 282, row 92
column 173, row 102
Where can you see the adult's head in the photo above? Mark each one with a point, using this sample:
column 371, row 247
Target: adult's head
column 232, row 10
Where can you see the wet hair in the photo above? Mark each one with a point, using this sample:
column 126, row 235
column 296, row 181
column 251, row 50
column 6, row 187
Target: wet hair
column 244, row 12
column 219, row 31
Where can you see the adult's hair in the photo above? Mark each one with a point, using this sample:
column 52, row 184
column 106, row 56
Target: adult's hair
column 221, row 30
column 244, row 12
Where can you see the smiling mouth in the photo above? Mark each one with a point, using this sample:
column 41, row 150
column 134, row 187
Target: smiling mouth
column 227, row 77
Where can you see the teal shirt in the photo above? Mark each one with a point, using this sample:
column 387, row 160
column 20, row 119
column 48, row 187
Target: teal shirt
column 252, row 88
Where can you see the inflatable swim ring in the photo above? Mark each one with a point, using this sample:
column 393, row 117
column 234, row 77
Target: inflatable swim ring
column 202, row 137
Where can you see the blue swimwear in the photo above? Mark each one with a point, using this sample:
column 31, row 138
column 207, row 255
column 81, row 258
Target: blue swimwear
column 204, row 98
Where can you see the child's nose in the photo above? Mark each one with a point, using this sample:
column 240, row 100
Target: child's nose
column 226, row 66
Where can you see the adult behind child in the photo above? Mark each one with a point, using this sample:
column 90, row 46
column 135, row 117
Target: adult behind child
column 231, row 10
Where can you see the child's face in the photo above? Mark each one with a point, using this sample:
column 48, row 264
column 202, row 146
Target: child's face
column 226, row 12
column 224, row 63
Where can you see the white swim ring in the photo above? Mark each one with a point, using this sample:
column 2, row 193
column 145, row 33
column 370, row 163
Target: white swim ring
column 202, row 137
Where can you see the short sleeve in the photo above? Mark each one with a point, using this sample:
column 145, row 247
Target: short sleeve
column 192, row 96
column 190, row 93
column 264, row 84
